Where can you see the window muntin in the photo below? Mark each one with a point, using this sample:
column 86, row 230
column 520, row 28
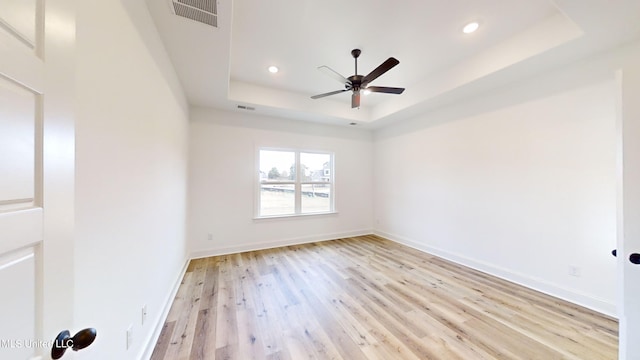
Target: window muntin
column 293, row 182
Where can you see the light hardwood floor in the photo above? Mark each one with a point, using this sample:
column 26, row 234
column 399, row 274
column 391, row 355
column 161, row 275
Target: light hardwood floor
column 369, row 298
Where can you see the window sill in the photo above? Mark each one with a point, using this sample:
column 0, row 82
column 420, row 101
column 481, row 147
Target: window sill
column 294, row 216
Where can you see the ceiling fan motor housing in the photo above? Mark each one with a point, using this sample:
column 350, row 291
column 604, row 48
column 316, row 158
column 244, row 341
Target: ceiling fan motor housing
column 356, row 82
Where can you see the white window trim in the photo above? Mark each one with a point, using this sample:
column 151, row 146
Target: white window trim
column 297, row 184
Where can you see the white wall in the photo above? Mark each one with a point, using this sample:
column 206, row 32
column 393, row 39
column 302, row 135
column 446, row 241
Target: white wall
column 520, row 183
column 221, row 181
column 131, row 162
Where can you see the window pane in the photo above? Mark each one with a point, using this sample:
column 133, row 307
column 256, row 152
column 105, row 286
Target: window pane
column 277, row 165
column 277, row 199
column 316, row 198
column 315, row 167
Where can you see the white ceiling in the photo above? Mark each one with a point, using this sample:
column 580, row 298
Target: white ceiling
column 227, row 66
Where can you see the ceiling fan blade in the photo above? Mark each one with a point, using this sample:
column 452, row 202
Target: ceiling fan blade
column 355, row 99
column 385, row 89
column 328, row 94
column 334, row 74
column 381, row 69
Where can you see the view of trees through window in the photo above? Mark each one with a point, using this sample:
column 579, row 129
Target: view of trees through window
column 294, row 182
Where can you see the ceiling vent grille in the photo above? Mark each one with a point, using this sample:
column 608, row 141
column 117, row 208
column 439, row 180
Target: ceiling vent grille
column 204, row 11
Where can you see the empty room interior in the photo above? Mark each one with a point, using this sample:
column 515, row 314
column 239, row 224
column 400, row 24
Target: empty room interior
column 246, row 179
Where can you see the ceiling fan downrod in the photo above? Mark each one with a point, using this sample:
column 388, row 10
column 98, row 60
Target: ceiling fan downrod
column 356, row 53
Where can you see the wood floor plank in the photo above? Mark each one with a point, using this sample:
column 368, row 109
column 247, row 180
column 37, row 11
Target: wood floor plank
column 184, row 332
column 226, row 320
column 369, row 298
column 210, row 288
column 160, row 350
column 201, row 348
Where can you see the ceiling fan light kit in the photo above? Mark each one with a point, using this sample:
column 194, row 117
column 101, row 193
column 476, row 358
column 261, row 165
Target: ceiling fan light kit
column 355, row 83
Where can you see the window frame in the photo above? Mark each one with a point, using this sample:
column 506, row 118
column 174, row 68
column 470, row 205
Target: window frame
column 298, row 183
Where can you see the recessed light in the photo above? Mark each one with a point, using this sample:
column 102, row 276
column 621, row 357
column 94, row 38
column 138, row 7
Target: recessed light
column 353, row 124
column 273, row 69
column 470, row 27
column 366, row 92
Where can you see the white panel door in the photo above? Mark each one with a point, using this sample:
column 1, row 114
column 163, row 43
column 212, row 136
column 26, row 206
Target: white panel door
column 629, row 212
column 35, row 170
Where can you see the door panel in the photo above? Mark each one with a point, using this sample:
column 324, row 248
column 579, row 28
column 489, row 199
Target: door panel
column 19, row 229
column 18, row 18
column 18, row 273
column 17, row 145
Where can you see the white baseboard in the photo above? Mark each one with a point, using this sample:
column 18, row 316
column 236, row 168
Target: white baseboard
column 152, row 339
column 545, row 287
column 278, row 243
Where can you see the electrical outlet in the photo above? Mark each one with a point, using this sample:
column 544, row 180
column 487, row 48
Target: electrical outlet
column 574, row 271
column 144, row 313
column 129, row 336
column 210, row 236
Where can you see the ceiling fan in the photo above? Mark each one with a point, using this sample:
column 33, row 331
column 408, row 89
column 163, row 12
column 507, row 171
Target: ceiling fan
column 356, row 82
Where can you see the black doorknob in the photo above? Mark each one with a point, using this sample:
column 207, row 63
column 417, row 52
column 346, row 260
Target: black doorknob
column 635, row 258
column 614, row 252
column 80, row 340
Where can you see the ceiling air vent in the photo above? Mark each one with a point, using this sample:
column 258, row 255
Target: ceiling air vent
column 204, row 11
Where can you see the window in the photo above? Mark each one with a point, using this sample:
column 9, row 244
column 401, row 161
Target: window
column 293, row 182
